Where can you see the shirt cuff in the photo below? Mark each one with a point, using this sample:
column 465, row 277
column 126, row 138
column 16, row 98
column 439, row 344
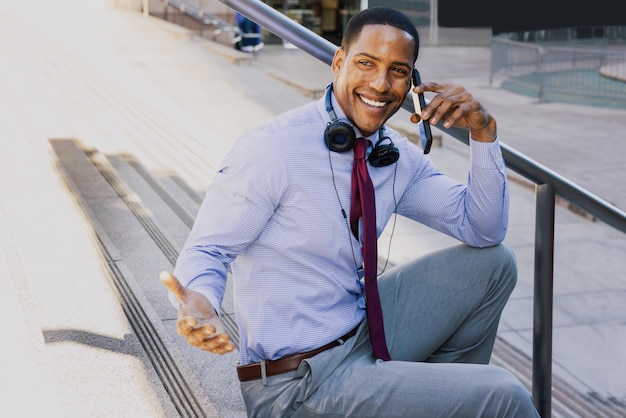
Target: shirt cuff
column 208, row 292
column 486, row 154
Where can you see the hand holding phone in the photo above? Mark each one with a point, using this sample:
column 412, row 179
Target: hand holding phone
column 419, row 103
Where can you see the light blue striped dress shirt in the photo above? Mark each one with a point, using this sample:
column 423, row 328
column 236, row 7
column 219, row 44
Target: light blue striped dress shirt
column 274, row 214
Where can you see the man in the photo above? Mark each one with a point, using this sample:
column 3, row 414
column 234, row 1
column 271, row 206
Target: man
column 278, row 214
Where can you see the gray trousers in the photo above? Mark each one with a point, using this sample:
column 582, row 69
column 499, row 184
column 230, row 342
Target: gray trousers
column 441, row 315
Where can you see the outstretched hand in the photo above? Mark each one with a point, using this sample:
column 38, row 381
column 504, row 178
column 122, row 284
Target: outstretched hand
column 197, row 320
column 456, row 106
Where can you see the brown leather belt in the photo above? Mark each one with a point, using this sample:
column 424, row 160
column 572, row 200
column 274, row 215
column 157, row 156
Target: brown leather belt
column 287, row 363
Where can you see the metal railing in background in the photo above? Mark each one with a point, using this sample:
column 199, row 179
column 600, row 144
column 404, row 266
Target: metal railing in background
column 548, row 185
column 195, row 11
column 561, row 70
column 579, row 35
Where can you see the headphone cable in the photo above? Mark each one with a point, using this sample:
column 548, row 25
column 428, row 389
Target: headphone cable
column 343, row 213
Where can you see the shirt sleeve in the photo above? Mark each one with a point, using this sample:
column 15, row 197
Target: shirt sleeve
column 475, row 213
column 236, row 208
column 487, row 193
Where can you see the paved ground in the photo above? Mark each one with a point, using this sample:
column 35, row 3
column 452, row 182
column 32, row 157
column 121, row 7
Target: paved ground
column 118, row 81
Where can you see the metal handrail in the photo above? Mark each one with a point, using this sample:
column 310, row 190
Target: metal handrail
column 548, row 185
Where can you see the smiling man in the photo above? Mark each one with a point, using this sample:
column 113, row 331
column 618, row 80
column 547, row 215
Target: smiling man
column 373, row 74
column 280, row 214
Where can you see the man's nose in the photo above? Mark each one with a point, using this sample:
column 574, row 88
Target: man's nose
column 380, row 82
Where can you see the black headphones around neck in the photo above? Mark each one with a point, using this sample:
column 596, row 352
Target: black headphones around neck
column 340, row 137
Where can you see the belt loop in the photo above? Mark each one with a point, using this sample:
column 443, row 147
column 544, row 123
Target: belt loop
column 263, row 373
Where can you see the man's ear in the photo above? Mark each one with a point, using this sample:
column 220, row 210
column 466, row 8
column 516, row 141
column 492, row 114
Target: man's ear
column 338, row 59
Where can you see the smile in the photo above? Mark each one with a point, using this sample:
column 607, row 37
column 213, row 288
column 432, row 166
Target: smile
column 372, row 102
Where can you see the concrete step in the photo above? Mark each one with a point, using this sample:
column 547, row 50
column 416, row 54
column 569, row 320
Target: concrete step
column 136, row 247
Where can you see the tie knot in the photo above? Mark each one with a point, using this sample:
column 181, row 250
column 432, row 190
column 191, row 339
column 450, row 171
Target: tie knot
column 359, row 148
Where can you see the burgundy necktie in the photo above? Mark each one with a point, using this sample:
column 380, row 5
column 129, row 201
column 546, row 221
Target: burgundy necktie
column 363, row 205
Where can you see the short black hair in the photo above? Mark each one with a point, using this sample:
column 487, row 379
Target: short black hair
column 380, row 15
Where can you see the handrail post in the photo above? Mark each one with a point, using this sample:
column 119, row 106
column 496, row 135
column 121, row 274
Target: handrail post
column 542, row 75
column 543, row 299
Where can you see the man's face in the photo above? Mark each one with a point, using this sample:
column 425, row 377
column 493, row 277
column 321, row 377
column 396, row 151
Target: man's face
column 373, row 77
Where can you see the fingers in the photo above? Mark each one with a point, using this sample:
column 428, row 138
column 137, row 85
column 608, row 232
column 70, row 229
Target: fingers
column 452, row 104
column 443, row 105
column 203, row 336
column 173, row 285
column 185, row 325
column 430, row 86
column 205, row 339
column 218, row 345
column 440, row 104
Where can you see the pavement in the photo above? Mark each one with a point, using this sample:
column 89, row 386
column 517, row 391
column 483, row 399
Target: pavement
column 88, row 70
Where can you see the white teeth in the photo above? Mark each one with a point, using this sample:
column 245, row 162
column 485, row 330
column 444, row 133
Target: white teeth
column 372, row 102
